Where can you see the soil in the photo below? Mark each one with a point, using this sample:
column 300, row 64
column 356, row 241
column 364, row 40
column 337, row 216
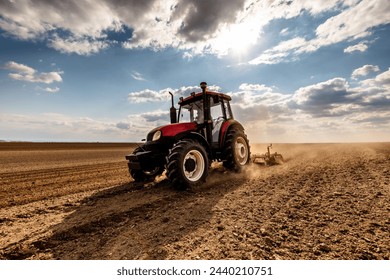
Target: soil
column 77, row 201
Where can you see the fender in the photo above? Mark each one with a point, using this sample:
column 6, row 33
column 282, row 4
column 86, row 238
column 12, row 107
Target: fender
column 226, row 126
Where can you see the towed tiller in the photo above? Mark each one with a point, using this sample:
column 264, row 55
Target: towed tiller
column 267, row 158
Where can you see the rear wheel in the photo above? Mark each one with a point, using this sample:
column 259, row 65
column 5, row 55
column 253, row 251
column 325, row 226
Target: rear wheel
column 236, row 150
column 187, row 164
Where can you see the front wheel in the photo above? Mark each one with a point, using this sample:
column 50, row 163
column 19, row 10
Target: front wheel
column 144, row 175
column 187, row 164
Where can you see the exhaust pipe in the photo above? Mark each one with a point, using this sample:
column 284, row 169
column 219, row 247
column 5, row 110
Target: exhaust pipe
column 173, row 110
column 206, row 111
column 203, row 86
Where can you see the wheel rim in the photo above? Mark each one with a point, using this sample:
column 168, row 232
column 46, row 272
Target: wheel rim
column 241, row 151
column 193, row 165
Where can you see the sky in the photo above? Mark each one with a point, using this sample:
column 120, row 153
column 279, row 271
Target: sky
column 298, row 71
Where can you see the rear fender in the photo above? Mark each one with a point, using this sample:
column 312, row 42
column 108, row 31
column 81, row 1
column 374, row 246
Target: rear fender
column 226, row 126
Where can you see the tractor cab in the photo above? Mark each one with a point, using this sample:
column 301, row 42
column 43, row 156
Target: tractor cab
column 192, row 110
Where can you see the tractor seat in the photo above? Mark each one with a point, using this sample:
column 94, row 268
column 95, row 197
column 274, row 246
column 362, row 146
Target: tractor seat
column 217, row 123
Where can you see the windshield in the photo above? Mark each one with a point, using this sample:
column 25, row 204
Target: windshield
column 191, row 112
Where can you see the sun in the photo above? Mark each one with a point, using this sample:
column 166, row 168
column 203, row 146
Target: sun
column 236, row 39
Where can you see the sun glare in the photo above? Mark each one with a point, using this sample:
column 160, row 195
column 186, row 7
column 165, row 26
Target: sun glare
column 236, row 39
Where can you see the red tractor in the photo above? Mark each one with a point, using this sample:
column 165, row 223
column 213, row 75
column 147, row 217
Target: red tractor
column 203, row 131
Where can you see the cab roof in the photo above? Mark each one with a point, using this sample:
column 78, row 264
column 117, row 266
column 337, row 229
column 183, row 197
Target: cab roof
column 198, row 96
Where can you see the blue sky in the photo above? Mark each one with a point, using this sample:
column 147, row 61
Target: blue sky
column 298, row 71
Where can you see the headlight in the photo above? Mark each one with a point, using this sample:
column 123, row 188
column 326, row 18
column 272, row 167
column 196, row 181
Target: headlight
column 156, row 135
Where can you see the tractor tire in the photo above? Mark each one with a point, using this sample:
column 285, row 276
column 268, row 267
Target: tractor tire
column 187, row 164
column 145, row 175
column 236, row 152
column 137, row 175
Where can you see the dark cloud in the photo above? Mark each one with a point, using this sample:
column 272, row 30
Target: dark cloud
column 322, row 94
column 378, row 102
column 123, row 125
column 155, row 116
column 324, row 98
column 202, row 17
column 376, row 120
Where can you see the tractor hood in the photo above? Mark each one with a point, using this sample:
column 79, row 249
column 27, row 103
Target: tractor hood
column 172, row 130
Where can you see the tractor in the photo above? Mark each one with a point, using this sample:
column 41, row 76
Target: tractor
column 202, row 130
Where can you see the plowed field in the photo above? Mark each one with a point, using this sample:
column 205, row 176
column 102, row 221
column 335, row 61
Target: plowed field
column 77, row 201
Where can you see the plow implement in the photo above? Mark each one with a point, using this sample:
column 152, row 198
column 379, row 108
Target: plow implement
column 267, row 158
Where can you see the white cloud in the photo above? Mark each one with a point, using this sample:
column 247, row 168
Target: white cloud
column 364, row 71
column 361, row 47
column 78, row 45
column 28, row 74
column 51, row 90
column 20, row 68
column 270, row 57
column 148, row 95
column 284, row 32
column 255, row 87
column 187, row 55
column 281, row 52
column 48, row 78
column 350, row 24
column 382, row 81
column 257, row 103
column 21, row 29
column 137, row 76
column 253, row 95
column 383, row 78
